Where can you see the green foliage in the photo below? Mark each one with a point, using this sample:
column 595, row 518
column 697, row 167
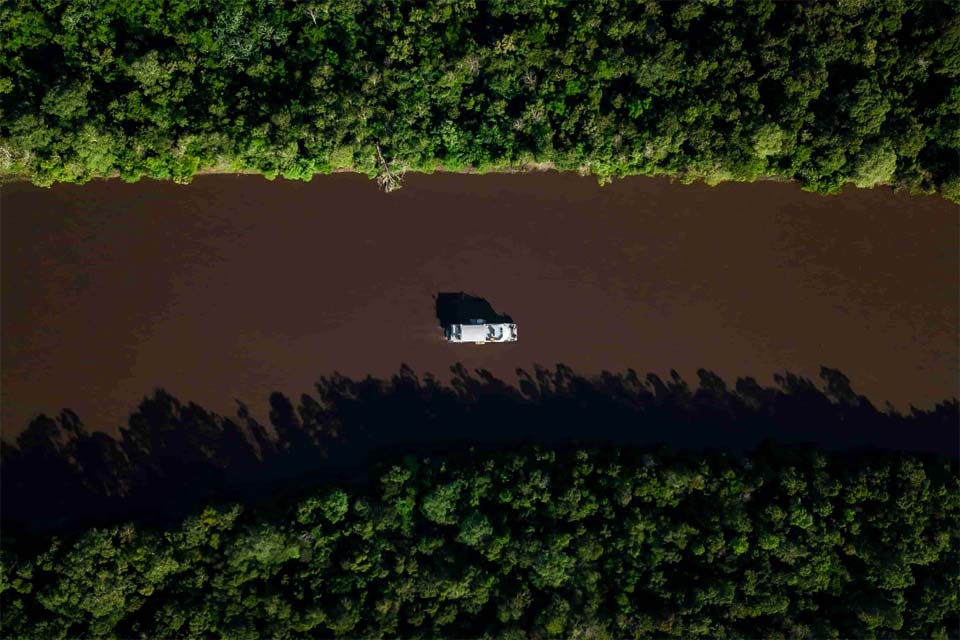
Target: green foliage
column 876, row 166
column 335, row 506
column 769, row 140
column 440, row 505
column 822, row 93
column 475, row 529
column 538, row 542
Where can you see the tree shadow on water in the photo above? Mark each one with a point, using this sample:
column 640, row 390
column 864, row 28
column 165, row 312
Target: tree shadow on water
column 173, row 458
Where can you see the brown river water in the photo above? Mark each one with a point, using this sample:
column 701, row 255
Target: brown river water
column 234, row 286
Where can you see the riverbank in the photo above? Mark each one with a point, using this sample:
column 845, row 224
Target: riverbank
column 534, row 168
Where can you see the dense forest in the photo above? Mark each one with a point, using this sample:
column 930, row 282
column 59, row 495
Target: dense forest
column 531, row 542
column 567, row 506
column 821, row 93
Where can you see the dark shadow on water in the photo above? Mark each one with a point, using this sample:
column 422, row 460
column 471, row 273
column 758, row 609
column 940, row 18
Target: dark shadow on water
column 461, row 308
column 173, row 457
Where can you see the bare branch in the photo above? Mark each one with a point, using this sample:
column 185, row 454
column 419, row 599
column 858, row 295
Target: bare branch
column 388, row 179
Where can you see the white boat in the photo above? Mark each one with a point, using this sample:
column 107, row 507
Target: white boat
column 478, row 331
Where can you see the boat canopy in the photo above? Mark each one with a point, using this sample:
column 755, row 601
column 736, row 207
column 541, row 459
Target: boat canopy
column 481, row 333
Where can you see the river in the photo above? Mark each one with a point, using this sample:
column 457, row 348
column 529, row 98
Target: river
column 235, row 286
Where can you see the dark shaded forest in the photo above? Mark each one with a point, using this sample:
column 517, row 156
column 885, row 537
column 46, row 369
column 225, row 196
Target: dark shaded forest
column 613, row 506
column 530, row 542
column 821, row 93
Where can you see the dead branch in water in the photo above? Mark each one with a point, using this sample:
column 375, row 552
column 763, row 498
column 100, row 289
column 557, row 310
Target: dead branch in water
column 388, row 179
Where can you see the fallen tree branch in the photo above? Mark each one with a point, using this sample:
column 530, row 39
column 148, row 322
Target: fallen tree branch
column 388, row 179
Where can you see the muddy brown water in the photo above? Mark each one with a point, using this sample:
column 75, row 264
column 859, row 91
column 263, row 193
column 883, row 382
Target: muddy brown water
column 235, row 286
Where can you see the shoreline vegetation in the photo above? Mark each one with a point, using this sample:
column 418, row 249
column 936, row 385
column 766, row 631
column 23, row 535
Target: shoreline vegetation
column 822, row 94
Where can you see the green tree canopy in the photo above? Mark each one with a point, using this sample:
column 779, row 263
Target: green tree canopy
column 822, row 93
column 786, row 542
